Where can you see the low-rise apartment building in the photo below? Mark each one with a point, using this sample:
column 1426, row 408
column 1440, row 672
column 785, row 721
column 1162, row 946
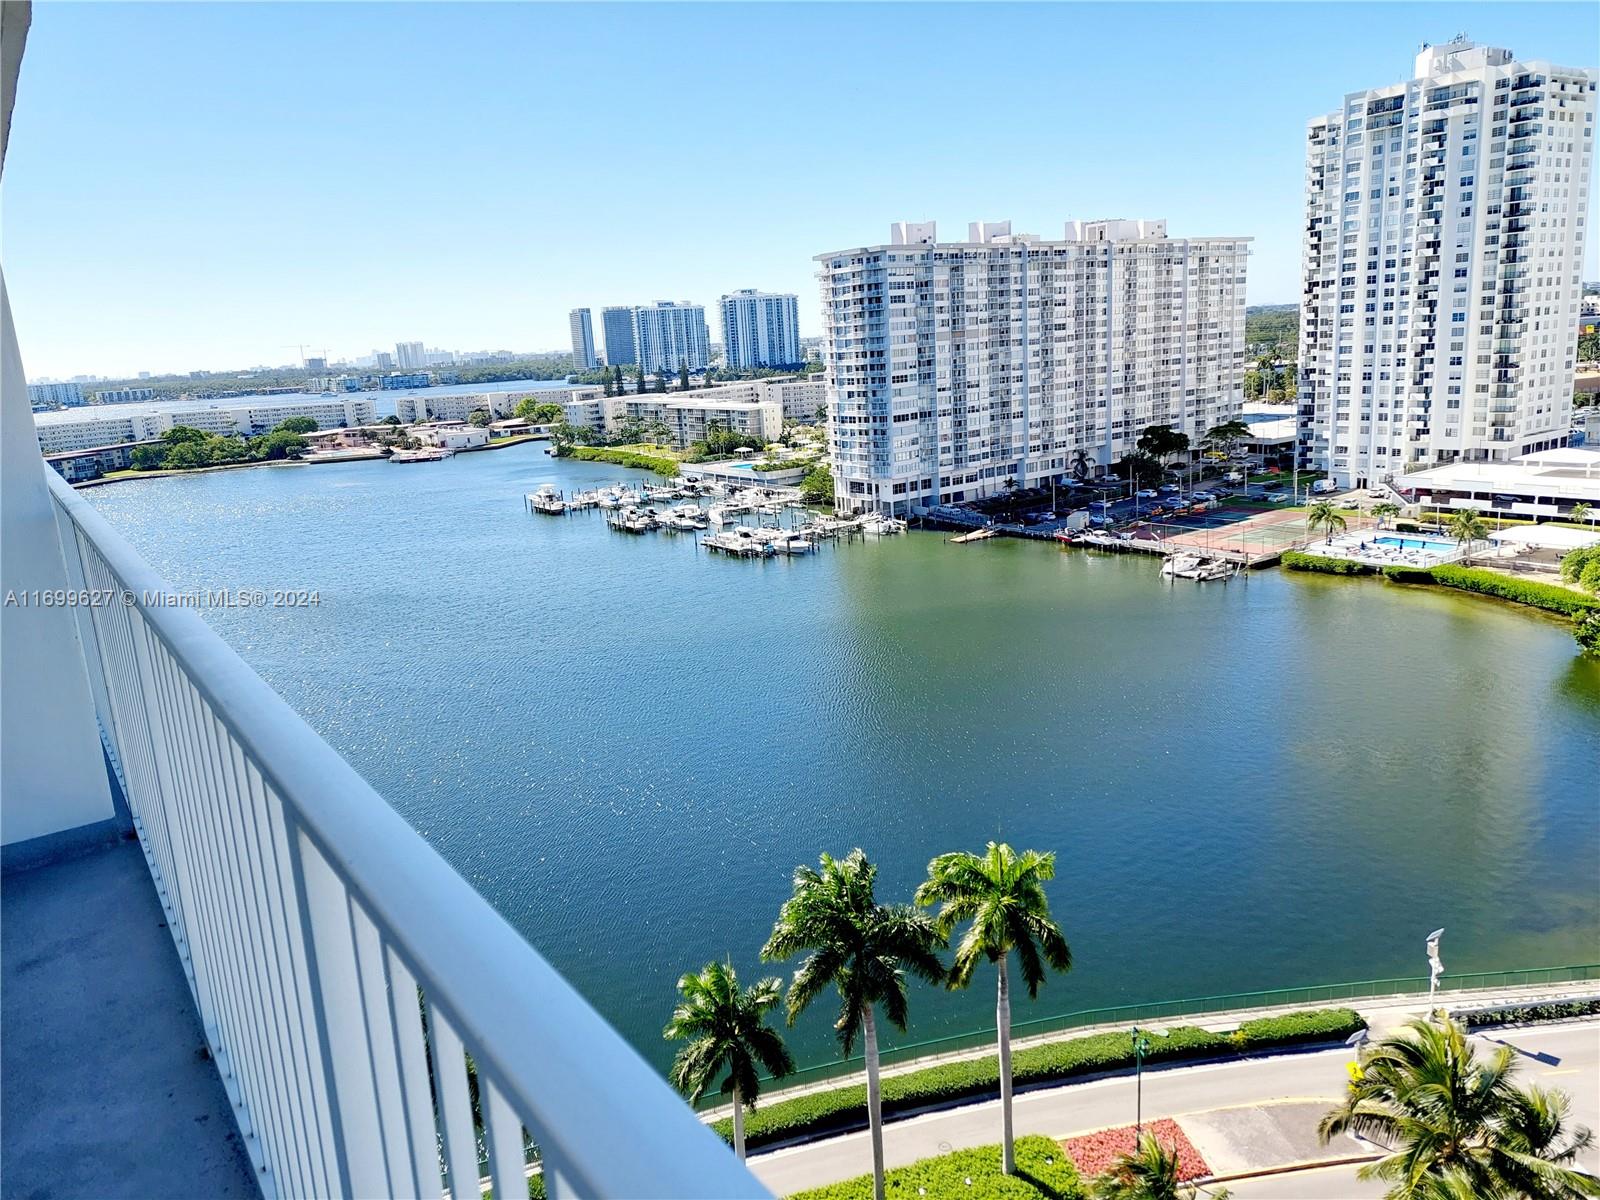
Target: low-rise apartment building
column 459, row 406
column 89, row 428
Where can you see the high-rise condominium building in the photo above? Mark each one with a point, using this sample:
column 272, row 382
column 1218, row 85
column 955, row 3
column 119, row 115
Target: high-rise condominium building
column 617, row 324
column 410, row 356
column 582, row 325
column 669, row 336
column 761, row 329
column 1442, row 262
column 956, row 367
column 45, row 396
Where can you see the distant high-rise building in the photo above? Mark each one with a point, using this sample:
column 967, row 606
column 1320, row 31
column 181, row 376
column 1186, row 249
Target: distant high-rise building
column 582, row 325
column 761, row 329
column 410, row 356
column 669, row 336
column 616, row 323
column 1015, row 362
column 45, row 396
column 1443, row 252
column 317, row 364
column 382, row 360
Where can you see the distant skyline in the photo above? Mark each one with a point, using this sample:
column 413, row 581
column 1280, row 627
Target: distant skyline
column 206, row 186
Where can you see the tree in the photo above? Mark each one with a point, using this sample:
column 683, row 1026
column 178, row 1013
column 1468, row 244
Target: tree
column 280, row 443
column 179, row 434
column 1223, row 439
column 725, row 1026
column 817, row 485
column 1141, row 468
column 616, row 379
column 391, row 419
column 1467, row 526
column 606, row 384
column 1323, row 515
column 1161, row 442
column 1002, row 893
column 1580, row 511
column 1456, row 1124
column 1150, row 1172
column 683, row 377
column 1383, row 510
column 297, row 425
column 863, row 949
column 149, row 458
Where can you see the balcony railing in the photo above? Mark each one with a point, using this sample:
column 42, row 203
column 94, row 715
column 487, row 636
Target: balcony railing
column 345, row 974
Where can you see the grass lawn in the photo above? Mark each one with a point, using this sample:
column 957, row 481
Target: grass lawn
column 652, row 449
column 1043, row 1170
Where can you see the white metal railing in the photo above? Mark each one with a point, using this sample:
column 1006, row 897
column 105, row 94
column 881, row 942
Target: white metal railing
column 381, row 1031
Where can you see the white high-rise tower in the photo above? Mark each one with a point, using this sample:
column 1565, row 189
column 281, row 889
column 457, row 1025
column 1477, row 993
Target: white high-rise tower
column 1443, row 254
column 582, row 326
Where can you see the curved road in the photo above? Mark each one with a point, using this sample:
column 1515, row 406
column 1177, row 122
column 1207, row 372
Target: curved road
column 1565, row 1056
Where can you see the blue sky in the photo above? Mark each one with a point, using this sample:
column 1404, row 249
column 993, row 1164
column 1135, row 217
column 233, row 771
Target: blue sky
column 209, row 186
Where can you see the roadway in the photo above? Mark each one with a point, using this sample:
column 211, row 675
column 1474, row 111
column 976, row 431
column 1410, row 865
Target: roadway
column 1565, row 1056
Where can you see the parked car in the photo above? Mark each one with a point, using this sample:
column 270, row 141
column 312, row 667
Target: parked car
column 1279, row 497
column 1234, row 477
column 1148, row 493
column 1203, row 497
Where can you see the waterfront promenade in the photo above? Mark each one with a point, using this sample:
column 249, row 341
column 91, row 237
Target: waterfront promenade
column 1254, row 1121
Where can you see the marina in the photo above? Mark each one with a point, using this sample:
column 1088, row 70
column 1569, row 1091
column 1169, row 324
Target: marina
column 665, row 779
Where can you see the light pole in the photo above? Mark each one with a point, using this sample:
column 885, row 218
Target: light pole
column 1141, row 1047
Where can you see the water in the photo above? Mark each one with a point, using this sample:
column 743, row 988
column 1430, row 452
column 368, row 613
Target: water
column 627, row 745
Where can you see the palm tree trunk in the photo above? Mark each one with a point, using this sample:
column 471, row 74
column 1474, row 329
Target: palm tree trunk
column 738, row 1124
column 869, row 1038
column 1002, row 1021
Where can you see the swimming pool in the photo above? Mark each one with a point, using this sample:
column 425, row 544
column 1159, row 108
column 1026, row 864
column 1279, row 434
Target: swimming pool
column 1432, row 545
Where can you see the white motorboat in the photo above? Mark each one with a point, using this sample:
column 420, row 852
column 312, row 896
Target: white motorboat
column 793, row 543
column 547, row 499
column 1180, row 566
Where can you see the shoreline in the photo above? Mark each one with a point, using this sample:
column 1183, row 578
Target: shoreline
column 166, row 473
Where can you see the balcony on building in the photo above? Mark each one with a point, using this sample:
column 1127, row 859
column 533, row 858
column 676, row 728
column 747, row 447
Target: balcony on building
column 230, row 969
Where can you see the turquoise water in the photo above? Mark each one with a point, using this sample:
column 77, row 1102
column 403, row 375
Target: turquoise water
column 1438, row 546
column 627, row 744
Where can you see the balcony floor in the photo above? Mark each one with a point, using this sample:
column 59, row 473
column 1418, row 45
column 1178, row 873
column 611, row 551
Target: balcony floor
column 104, row 1089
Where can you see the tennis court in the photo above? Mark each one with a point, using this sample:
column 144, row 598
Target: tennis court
column 1241, row 532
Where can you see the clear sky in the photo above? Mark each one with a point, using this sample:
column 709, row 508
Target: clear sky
column 210, row 185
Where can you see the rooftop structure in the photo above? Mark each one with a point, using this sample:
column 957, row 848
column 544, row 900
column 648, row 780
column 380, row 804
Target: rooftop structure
column 1546, row 484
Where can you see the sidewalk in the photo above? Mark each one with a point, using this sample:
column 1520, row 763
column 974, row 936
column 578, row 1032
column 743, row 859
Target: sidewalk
column 1382, row 1013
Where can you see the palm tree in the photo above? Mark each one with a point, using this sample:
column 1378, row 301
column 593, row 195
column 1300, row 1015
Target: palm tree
column 1456, row 1124
column 863, row 949
column 727, row 1031
column 1467, row 527
column 1002, row 893
column 1323, row 515
column 1148, row 1173
column 1383, row 510
column 1580, row 511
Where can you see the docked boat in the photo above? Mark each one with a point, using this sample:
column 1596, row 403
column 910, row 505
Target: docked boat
column 882, row 525
column 632, row 520
column 547, row 500
column 1181, row 566
column 792, row 543
column 686, row 517
column 430, row 454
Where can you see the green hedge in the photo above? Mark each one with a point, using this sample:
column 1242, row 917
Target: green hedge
column 626, row 458
column 1297, row 561
column 1043, row 1170
column 1519, row 591
column 1528, row 1013
column 1401, row 573
column 846, row 1107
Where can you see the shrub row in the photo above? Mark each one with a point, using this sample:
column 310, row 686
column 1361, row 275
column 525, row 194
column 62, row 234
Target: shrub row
column 846, row 1107
column 1526, row 1013
column 1401, row 573
column 1296, row 561
column 1519, row 591
column 1043, row 1170
column 626, row 458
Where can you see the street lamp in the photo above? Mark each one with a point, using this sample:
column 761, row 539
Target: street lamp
column 1141, row 1047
